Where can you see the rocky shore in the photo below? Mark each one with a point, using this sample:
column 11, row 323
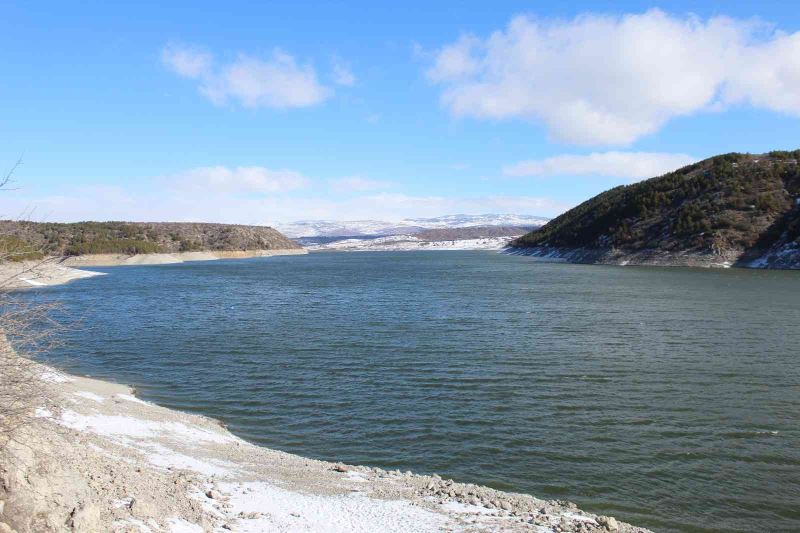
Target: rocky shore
column 96, row 458
column 618, row 257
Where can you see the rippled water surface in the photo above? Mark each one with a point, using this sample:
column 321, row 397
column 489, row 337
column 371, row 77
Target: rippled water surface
column 667, row 397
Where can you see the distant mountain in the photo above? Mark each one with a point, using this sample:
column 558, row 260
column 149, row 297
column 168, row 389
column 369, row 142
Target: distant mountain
column 729, row 210
column 471, row 232
column 377, row 228
column 31, row 239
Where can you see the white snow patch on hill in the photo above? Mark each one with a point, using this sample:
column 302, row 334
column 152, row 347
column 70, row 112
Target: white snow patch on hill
column 328, row 228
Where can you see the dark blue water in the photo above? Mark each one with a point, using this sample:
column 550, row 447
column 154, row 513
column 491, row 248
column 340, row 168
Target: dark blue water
column 667, row 397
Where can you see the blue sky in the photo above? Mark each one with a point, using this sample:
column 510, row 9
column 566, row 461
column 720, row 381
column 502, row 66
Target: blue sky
column 303, row 110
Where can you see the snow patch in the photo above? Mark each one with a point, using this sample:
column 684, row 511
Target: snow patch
column 90, row 396
column 127, row 426
column 401, row 243
column 163, row 457
column 33, row 282
column 291, row 512
column 179, row 525
column 54, row 376
column 125, row 525
column 130, row 398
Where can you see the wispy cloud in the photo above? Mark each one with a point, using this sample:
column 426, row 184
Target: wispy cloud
column 252, row 179
column 277, row 81
column 342, row 73
column 186, row 61
column 609, row 80
column 626, row 165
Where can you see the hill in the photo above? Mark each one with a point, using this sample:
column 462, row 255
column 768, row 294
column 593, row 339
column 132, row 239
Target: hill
column 471, row 232
column 409, row 226
column 30, row 240
column 733, row 209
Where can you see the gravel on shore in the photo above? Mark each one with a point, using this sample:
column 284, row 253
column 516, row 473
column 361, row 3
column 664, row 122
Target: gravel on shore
column 99, row 459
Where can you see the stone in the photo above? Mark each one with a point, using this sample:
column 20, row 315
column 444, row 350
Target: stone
column 5, row 528
column 609, row 522
column 505, row 506
column 213, row 494
column 340, row 468
column 85, row 518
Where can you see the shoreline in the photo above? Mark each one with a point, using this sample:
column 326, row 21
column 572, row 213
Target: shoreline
column 116, row 463
column 59, row 270
column 592, row 256
column 105, row 260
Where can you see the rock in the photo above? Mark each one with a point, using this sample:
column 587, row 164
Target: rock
column 85, row 518
column 564, row 524
column 2, row 506
column 339, row 467
column 5, row 528
column 430, row 486
column 609, row 522
column 505, row 506
column 474, row 501
column 213, row 494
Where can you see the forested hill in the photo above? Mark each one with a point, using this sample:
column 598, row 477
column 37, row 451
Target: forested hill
column 137, row 238
column 739, row 209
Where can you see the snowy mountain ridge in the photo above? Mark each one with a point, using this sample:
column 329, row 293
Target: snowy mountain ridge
column 327, row 228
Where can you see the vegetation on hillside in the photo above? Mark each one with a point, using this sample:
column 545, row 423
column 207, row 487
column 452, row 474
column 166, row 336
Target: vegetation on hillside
column 81, row 238
column 470, row 232
column 734, row 202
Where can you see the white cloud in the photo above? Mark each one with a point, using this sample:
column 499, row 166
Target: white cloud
column 627, row 165
column 455, row 61
column 342, row 74
column 613, row 79
column 241, row 180
column 187, row 62
column 358, row 184
column 277, row 81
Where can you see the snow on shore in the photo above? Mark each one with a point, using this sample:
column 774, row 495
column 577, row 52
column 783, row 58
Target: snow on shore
column 40, row 273
column 397, row 243
column 107, row 461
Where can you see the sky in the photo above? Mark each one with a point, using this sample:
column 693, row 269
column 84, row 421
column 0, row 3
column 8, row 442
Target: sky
column 263, row 113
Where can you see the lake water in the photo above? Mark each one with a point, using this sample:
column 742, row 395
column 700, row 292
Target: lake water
column 669, row 398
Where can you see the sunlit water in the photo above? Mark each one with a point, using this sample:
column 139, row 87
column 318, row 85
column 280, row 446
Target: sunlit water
column 669, row 398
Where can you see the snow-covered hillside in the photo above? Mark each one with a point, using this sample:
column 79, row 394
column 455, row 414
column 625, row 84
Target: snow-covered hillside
column 327, row 228
column 397, row 243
